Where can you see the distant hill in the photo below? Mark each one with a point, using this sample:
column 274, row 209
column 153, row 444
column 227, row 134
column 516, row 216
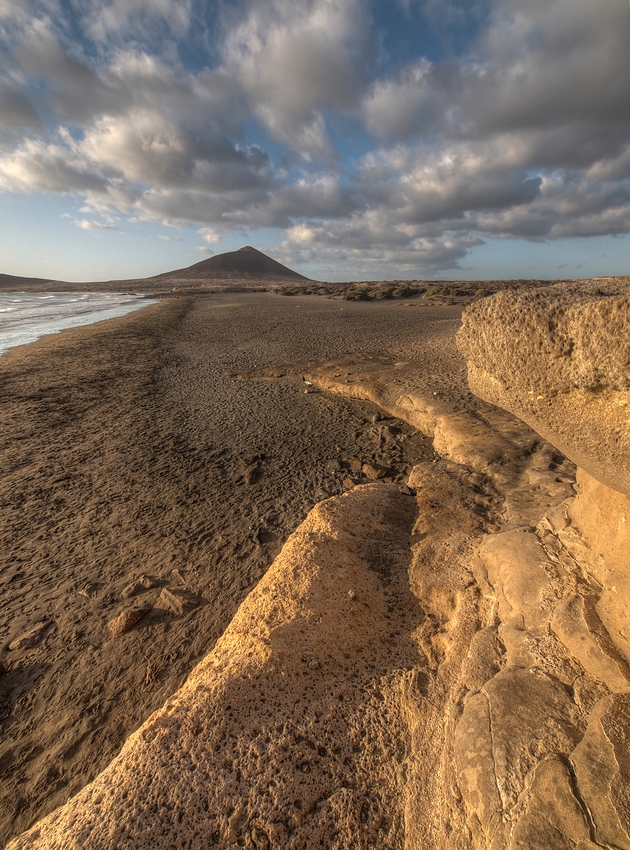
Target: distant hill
column 12, row 283
column 246, row 264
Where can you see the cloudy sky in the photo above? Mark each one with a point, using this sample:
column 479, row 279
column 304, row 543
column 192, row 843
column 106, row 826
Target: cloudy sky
column 350, row 139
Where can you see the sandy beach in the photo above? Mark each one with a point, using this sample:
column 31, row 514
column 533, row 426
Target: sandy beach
column 176, row 446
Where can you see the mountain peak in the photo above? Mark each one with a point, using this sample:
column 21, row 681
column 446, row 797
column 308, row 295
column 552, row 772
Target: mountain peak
column 245, row 264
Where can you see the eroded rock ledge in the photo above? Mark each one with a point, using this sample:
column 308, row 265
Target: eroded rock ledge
column 448, row 670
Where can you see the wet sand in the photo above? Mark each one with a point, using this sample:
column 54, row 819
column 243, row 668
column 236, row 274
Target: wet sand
column 180, row 438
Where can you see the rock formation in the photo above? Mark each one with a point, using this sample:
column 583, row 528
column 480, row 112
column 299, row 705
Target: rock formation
column 445, row 671
column 559, row 358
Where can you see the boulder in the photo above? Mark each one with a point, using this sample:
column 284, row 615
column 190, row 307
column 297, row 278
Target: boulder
column 559, row 358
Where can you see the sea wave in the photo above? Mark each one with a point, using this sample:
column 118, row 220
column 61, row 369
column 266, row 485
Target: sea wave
column 26, row 316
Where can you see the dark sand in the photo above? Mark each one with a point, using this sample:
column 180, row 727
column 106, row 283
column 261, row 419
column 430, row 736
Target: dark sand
column 176, row 438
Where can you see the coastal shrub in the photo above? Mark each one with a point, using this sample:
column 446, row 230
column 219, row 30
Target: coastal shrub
column 405, row 291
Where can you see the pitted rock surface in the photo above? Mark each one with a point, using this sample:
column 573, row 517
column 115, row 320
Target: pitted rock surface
column 559, row 358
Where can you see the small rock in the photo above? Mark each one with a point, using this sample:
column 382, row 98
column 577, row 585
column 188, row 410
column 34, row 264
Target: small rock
column 355, row 464
column 406, row 490
column 30, row 638
column 252, row 474
column 141, row 584
column 376, row 418
column 348, row 483
column 313, row 664
column 333, row 465
column 177, row 578
column 127, row 620
column 375, row 471
column 177, row 599
column 90, row 590
column 352, row 594
column 131, row 590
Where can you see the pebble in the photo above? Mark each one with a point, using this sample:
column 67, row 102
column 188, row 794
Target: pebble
column 313, row 664
column 127, row 620
column 352, row 594
column 30, row 638
column 348, row 483
column 374, row 471
column 90, row 590
column 177, row 599
column 178, row 578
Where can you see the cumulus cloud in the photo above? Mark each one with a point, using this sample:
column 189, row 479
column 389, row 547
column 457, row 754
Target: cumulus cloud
column 521, row 132
column 296, row 60
column 210, row 235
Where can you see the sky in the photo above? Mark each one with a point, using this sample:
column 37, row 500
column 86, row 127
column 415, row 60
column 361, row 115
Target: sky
column 348, row 139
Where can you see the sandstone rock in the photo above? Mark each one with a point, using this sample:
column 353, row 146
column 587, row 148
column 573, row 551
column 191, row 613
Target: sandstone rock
column 599, row 537
column 259, row 748
column 126, row 620
column 177, row 599
column 517, row 568
column 602, row 765
column 30, row 638
column 559, row 358
column 553, row 818
column 576, row 623
column 375, row 471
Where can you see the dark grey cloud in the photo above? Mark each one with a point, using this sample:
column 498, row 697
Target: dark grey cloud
column 17, row 109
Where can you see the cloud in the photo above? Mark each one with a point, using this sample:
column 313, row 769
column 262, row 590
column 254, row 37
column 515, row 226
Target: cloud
column 113, row 17
column 85, row 224
column 520, row 131
column 17, row 109
column 37, row 166
column 296, row 60
column 210, row 235
column 351, row 254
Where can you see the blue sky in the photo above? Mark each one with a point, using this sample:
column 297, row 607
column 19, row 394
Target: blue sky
column 349, row 139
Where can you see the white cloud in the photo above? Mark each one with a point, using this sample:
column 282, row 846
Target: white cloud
column 295, row 60
column 113, row 17
column 37, row 166
column 210, row 235
column 526, row 135
column 86, row 224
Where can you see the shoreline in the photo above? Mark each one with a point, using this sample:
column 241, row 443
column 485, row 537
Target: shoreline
column 156, row 300
column 178, row 443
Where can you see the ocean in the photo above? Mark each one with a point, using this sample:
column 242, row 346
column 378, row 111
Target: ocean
column 25, row 316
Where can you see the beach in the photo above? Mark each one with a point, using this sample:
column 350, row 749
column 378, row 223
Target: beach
column 178, row 446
